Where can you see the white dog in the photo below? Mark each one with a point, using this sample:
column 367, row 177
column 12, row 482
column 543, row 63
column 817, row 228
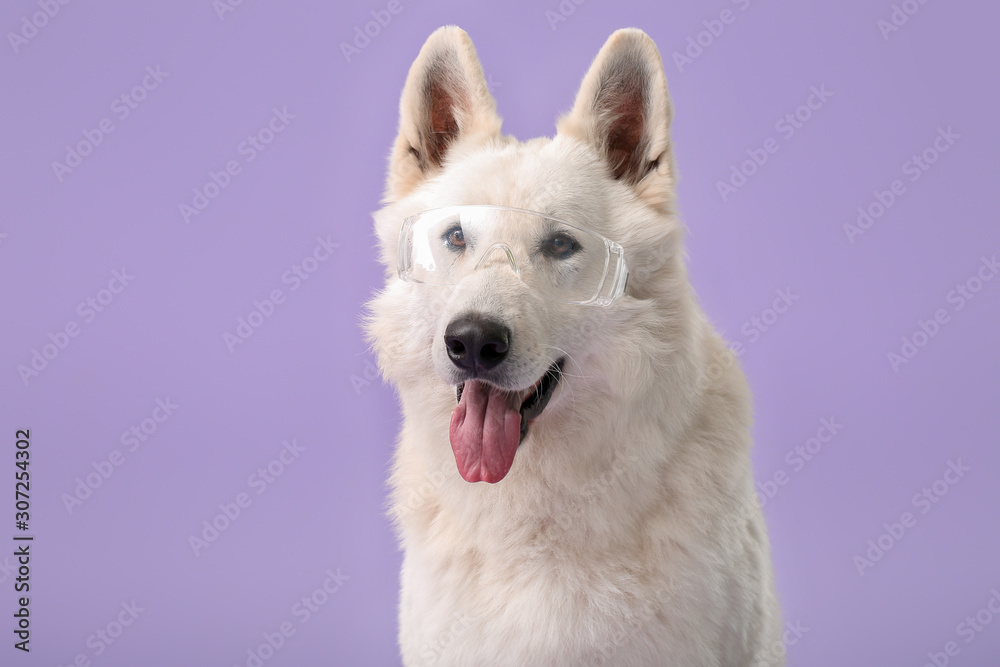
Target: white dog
column 572, row 483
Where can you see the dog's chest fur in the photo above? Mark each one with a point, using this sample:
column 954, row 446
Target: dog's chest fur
column 534, row 574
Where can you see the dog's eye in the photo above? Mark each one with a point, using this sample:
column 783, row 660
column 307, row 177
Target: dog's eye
column 454, row 238
column 560, row 246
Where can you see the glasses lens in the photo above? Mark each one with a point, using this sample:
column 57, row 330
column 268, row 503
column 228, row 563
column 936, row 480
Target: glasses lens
column 432, row 245
column 568, row 263
column 563, row 262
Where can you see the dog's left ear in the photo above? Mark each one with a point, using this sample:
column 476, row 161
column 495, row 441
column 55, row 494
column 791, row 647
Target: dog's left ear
column 623, row 110
column 445, row 103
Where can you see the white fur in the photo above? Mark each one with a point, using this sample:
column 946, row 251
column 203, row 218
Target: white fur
column 627, row 531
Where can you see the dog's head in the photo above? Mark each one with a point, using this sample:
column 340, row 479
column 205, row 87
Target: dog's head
column 509, row 362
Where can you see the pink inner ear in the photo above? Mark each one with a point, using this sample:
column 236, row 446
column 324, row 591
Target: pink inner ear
column 442, row 95
column 625, row 145
column 621, row 115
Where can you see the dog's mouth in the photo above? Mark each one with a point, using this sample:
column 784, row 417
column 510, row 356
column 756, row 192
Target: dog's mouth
column 489, row 424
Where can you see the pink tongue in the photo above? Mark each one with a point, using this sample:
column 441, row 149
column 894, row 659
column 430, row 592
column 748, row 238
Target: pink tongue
column 485, row 432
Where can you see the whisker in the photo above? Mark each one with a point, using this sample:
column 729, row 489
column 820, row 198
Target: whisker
column 570, row 357
column 570, row 387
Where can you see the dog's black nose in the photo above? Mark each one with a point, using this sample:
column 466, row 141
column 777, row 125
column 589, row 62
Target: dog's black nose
column 476, row 343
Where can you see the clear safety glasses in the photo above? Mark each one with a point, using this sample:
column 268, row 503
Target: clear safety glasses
column 563, row 262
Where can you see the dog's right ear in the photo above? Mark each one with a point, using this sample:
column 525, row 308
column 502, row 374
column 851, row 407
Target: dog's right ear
column 445, row 102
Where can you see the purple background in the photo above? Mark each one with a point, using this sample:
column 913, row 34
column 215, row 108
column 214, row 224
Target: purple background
column 306, row 373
